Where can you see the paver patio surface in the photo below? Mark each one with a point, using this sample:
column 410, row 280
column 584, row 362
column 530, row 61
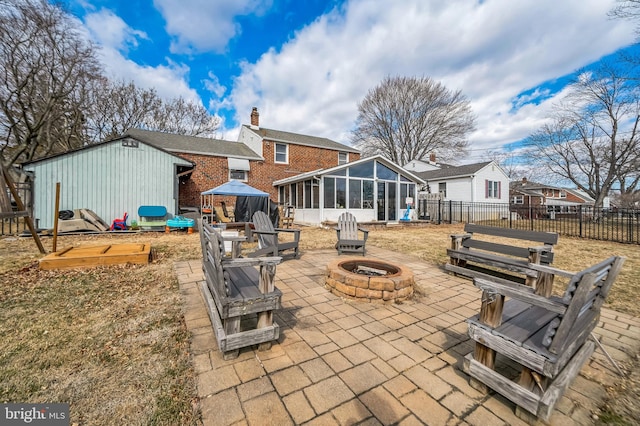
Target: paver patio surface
column 340, row 362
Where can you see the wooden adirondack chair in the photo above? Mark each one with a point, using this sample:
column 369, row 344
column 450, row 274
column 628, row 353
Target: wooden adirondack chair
column 348, row 238
column 269, row 243
column 548, row 336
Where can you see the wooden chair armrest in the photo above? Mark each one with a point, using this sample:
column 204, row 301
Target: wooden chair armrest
column 520, row 292
column 541, row 249
column 251, row 261
column 365, row 230
column 454, row 236
column 274, row 232
column 550, row 270
column 297, row 231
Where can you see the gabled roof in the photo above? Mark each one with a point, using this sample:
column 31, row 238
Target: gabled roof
column 320, row 172
column 193, row 144
column 530, row 186
column 181, row 161
column 451, row 172
column 299, row 139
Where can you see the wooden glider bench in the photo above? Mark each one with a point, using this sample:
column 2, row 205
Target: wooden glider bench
column 476, row 254
column 235, row 292
column 152, row 217
column 547, row 336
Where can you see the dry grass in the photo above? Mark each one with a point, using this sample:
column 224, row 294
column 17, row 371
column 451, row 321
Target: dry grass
column 112, row 341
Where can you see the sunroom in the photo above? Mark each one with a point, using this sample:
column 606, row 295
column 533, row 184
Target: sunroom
column 373, row 189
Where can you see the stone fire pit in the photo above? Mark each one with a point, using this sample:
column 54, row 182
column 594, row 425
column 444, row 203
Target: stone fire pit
column 369, row 280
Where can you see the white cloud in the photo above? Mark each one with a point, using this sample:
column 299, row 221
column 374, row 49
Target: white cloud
column 491, row 50
column 205, row 25
column 110, row 31
column 116, row 39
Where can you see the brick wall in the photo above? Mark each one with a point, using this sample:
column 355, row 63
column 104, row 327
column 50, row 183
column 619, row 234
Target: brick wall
column 212, row 171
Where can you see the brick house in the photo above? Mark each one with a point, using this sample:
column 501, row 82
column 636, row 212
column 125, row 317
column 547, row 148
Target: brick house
column 547, row 200
column 259, row 157
column 287, row 154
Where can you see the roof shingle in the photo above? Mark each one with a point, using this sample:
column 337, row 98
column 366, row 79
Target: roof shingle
column 193, row 144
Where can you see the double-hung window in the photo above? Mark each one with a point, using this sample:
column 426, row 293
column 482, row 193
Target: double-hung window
column 281, row 154
column 492, row 189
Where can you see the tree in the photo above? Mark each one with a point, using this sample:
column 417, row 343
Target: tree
column 46, row 66
column 118, row 106
column 185, row 118
column 592, row 140
column 626, row 9
column 408, row 118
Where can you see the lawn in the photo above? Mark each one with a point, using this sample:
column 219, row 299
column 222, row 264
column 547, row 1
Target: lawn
column 112, row 342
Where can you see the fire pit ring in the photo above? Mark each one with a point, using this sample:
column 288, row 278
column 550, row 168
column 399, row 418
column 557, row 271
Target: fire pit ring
column 369, row 280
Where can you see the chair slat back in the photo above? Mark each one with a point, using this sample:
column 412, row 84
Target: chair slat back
column 213, row 252
column 261, row 222
column 584, row 296
column 348, row 226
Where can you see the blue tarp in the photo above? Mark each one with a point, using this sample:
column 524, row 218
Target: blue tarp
column 237, row 188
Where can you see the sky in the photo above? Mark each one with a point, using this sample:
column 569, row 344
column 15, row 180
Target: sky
column 306, row 64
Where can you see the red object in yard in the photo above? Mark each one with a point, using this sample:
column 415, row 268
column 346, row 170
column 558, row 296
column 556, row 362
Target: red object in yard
column 119, row 224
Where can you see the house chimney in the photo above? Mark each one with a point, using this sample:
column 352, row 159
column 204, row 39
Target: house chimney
column 432, row 157
column 255, row 117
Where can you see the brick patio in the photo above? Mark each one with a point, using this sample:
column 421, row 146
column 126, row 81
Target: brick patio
column 341, row 362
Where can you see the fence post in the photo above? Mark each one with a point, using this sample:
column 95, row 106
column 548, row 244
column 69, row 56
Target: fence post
column 580, row 213
column 531, row 217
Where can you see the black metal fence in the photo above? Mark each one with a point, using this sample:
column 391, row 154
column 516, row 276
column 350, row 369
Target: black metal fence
column 619, row 225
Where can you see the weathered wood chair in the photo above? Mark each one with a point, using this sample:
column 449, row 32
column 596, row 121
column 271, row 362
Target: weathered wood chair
column 348, row 235
column 268, row 242
column 547, row 336
column 235, row 291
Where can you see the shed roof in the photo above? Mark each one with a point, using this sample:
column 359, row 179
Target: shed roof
column 194, row 144
column 299, row 139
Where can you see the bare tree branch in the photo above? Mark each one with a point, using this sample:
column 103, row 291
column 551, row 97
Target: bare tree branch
column 592, row 140
column 408, row 118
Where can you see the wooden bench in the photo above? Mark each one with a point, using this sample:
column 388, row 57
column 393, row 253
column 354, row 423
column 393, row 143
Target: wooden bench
column 240, row 295
column 476, row 254
column 547, row 336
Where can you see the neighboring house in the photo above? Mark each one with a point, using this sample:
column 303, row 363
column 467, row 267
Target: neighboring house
column 557, row 200
column 109, row 178
column 415, row 166
column 372, row 189
column 478, row 183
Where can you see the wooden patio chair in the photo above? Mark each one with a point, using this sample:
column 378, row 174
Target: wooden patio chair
column 548, row 336
column 348, row 235
column 269, row 243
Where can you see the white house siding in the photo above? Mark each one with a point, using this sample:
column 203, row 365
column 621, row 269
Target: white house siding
column 495, row 174
column 109, row 179
column 251, row 139
column 457, row 189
